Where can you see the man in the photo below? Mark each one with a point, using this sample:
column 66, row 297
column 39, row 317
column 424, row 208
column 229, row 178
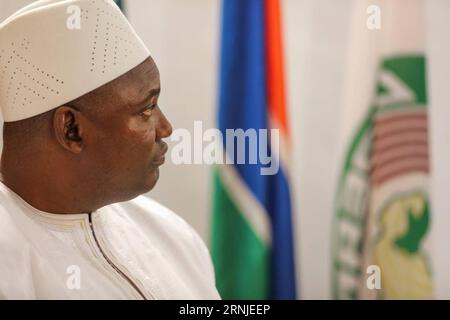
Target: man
column 82, row 140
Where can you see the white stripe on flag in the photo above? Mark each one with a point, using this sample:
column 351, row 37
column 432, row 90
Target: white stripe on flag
column 253, row 211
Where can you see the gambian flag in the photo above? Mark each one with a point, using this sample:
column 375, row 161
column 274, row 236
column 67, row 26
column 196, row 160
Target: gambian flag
column 252, row 245
column 383, row 209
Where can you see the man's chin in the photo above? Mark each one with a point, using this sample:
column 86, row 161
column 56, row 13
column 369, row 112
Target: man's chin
column 132, row 191
column 152, row 179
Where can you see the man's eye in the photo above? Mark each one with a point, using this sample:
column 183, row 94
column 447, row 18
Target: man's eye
column 148, row 111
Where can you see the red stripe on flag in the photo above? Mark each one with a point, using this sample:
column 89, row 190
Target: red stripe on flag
column 405, row 153
column 392, row 119
column 418, row 166
column 398, row 140
column 386, row 134
column 275, row 65
column 400, row 146
column 381, row 131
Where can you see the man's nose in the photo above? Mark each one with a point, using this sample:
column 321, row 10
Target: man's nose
column 164, row 128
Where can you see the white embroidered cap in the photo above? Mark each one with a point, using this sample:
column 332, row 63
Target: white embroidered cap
column 54, row 51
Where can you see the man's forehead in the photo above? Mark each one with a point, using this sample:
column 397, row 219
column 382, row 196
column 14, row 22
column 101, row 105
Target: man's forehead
column 135, row 87
column 126, row 92
column 147, row 68
column 148, row 76
column 144, row 77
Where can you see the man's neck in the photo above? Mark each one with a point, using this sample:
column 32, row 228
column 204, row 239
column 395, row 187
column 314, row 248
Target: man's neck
column 44, row 188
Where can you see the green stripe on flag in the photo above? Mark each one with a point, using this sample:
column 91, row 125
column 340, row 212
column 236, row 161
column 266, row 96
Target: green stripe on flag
column 241, row 259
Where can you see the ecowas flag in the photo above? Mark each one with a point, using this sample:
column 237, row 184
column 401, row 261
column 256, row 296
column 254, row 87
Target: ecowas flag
column 382, row 204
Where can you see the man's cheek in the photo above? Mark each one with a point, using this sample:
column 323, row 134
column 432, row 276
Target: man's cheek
column 148, row 136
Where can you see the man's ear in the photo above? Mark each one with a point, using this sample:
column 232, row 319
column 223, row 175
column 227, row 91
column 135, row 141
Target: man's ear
column 67, row 128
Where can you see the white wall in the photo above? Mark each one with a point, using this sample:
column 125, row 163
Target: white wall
column 316, row 38
column 438, row 43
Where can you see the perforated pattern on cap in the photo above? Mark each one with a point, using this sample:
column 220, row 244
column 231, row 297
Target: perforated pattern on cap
column 44, row 65
column 22, row 82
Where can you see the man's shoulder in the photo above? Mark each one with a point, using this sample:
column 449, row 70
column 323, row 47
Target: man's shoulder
column 13, row 227
column 8, row 213
column 9, row 228
column 154, row 216
column 149, row 222
column 152, row 209
column 156, row 222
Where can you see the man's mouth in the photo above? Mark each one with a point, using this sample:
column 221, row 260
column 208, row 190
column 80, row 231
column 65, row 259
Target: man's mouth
column 160, row 159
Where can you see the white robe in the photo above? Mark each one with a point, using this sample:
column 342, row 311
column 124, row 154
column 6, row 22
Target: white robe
column 131, row 250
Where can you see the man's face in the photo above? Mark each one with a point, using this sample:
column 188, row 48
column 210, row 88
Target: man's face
column 125, row 145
